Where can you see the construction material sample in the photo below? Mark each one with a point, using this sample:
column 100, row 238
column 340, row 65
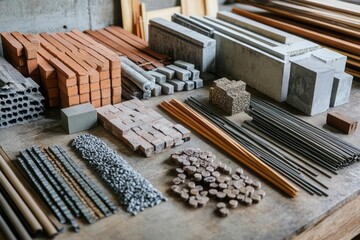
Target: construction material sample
column 201, row 177
column 67, row 191
column 142, row 128
column 230, row 96
column 20, row 97
column 341, row 122
column 181, row 43
column 134, row 192
column 78, row 118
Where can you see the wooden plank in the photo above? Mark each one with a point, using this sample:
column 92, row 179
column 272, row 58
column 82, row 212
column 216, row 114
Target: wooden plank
column 193, row 7
column 211, row 7
column 126, row 14
column 332, row 41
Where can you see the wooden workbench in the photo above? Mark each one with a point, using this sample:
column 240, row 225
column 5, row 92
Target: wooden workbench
column 276, row 217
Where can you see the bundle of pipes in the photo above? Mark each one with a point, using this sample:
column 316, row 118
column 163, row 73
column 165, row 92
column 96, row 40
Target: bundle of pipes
column 321, row 147
column 265, row 151
column 334, row 24
column 126, row 44
column 28, row 212
column 217, row 136
column 20, row 98
column 72, row 67
column 66, row 190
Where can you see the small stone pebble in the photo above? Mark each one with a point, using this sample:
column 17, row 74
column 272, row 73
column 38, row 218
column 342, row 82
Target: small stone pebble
column 193, row 203
column 224, row 212
column 191, row 184
column 255, row 197
column 233, row 203
column 184, row 196
column 194, row 192
column 247, row 201
column 213, row 192
column 221, row 205
column 179, row 170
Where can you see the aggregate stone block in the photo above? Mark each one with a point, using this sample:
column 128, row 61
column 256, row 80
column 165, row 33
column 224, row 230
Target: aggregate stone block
column 159, row 78
column 331, row 58
column 167, row 88
column 169, row 73
column 199, row 83
column 195, row 74
column 189, row 85
column 341, row 89
column 310, row 86
column 184, row 65
column 178, row 85
column 79, row 118
column 180, row 73
column 156, row 91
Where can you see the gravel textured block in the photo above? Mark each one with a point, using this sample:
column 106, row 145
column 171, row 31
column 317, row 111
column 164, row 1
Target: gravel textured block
column 178, row 85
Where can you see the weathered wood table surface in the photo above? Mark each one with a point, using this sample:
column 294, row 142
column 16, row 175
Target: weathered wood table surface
column 276, row 217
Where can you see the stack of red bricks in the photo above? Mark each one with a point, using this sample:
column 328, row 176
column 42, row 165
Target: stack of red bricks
column 142, row 128
column 72, row 68
column 126, row 44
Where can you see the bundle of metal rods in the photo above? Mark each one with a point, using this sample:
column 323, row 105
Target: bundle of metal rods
column 262, row 149
column 321, row 147
column 221, row 139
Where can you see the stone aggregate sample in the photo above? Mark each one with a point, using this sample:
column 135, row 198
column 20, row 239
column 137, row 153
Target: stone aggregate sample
column 134, row 192
column 230, row 96
column 200, row 177
column 20, row 97
column 67, row 191
column 142, row 129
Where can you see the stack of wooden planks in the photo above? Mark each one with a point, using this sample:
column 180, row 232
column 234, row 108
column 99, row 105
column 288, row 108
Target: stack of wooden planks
column 126, row 44
column 72, row 68
column 332, row 23
column 133, row 13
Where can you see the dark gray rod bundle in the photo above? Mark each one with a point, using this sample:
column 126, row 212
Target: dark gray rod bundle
column 262, row 149
column 134, row 191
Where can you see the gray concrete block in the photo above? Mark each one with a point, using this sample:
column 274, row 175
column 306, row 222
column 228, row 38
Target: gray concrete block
column 178, row 85
column 195, row 74
column 78, row 118
column 156, row 91
column 206, row 30
column 199, row 83
column 167, row 88
column 242, row 61
column 184, row 65
column 146, row 94
column 182, row 43
column 341, row 89
column 159, row 78
column 180, row 73
column 331, row 58
column 169, row 73
column 189, row 85
column 310, row 86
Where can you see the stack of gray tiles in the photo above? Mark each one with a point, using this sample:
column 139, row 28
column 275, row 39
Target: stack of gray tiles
column 180, row 76
column 182, row 43
column 20, row 98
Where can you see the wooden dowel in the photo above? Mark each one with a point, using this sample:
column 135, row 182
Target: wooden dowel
column 5, row 229
column 13, row 219
column 25, row 195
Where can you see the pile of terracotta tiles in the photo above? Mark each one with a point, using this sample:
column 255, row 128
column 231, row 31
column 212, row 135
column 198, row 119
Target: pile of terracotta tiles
column 71, row 67
column 129, row 45
column 141, row 128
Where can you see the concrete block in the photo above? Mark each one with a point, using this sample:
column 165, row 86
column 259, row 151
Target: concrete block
column 159, row 78
column 182, row 43
column 199, row 83
column 192, row 24
column 169, row 73
column 180, row 73
column 310, row 86
column 241, row 61
column 178, row 85
column 146, row 95
column 184, row 65
column 189, row 85
column 341, row 89
column 167, row 88
column 78, row 118
column 331, row 58
column 156, row 91
column 195, row 74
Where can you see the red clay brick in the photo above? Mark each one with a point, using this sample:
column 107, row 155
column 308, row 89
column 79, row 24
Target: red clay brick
column 104, row 75
column 115, row 73
column 94, row 86
column 116, row 82
column 69, row 91
column 64, row 70
column 105, row 93
column 52, row 92
column 30, row 49
column 104, row 84
column 69, row 101
column 84, row 88
column 46, row 70
column 13, row 59
column 105, row 101
column 67, row 82
column 13, row 45
column 96, row 103
column 84, row 98
column 95, row 95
